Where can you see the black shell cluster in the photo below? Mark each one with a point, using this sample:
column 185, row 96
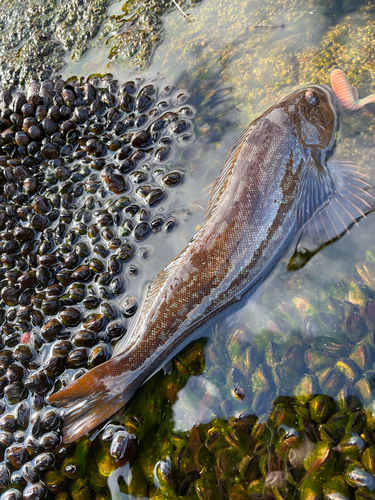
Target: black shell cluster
column 82, row 166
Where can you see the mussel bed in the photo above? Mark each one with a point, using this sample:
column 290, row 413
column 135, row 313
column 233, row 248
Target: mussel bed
column 85, row 167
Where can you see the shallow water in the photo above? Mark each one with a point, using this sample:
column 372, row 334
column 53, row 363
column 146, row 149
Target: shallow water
column 223, row 48
column 235, row 61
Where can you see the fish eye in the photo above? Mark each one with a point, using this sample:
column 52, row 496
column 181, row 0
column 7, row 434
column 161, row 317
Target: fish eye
column 312, row 97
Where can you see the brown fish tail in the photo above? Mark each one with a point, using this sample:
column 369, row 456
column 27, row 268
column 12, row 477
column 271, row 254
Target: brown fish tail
column 91, row 400
column 80, row 418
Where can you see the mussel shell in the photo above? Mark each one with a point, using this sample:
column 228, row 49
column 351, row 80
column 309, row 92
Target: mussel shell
column 36, row 491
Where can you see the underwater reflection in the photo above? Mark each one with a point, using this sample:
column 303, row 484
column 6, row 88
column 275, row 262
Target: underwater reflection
column 192, row 409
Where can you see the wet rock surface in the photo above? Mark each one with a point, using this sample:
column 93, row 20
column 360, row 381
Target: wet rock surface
column 42, row 33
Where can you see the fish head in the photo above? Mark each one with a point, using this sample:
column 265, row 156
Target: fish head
column 313, row 111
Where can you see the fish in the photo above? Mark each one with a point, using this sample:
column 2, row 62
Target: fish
column 346, row 94
column 278, row 182
column 267, row 26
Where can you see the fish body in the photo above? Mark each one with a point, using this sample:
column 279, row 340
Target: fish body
column 274, row 180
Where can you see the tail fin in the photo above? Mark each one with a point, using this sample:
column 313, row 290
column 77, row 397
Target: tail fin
column 92, row 398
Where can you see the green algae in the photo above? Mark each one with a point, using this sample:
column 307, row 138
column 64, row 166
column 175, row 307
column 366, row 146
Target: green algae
column 38, row 37
column 263, row 49
column 216, row 445
column 227, row 456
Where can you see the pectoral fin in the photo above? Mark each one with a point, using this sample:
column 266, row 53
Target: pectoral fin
column 339, row 204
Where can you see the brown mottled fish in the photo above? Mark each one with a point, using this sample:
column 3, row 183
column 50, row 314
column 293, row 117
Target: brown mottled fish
column 275, row 182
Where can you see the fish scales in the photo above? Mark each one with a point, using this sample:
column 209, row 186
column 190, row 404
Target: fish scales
column 252, row 217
